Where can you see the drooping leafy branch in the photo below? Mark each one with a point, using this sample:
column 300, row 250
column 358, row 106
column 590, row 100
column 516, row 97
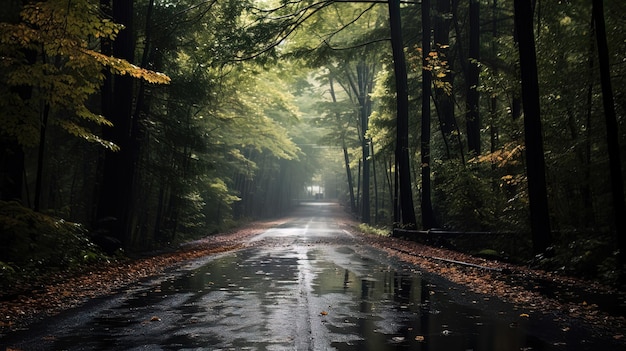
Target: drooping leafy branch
column 49, row 59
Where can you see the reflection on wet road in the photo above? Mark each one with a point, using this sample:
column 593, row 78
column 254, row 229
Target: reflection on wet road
column 306, row 285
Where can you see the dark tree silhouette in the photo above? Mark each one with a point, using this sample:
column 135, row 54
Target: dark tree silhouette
column 535, row 162
column 115, row 190
column 472, row 115
column 407, row 214
column 617, row 182
column 428, row 218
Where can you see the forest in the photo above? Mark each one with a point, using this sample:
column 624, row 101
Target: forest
column 492, row 126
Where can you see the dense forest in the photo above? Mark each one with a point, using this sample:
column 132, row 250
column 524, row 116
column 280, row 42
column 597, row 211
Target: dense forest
column 495, row 124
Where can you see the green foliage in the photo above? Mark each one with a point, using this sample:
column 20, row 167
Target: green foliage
column 48, row 60
column 33, row 243
column 586, row 255
column 380, row 231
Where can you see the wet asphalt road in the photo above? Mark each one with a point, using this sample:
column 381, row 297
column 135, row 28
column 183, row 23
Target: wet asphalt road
column 304, row 285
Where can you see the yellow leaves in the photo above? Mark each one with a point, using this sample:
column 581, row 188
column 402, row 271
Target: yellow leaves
column 508, row 155
column 122, row 67
column 62, row 30
column 420, row 338
column 524, row 315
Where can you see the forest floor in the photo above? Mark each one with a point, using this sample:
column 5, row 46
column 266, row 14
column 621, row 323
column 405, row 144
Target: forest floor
column 532, row 291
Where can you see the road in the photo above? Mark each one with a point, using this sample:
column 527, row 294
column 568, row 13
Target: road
column 306, row 284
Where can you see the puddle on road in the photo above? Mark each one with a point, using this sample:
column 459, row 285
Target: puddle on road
column 313, row 298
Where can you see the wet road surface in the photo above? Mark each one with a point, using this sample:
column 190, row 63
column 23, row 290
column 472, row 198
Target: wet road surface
column 304, row 285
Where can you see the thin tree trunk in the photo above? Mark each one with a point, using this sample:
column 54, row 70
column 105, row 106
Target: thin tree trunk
column 40, row 157
column 612, row 129
column 362, row 77
column 472, row 115
column 586, row 161
column 428, row 218
column 443, row 99
column 535, row 162
column 346, row 156
column 375, row 184
column 407, row 214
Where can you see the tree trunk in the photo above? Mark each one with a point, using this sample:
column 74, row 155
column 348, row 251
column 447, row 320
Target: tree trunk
column 117, row 107
column 444, row 100
column 12, row 169
column 364, row 107
column 376, row 219
column 428, row 218
column 472, row 115
column 407, row 212
column 40, row 157
column 535, row 163
column 346, row 157
column 612, row 129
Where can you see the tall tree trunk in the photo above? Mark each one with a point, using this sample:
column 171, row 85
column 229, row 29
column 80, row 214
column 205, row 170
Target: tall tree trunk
column 117, row 107
column 612, row 129
column 472, row 115
column 428, row 217
column 11, row 169
column 376, row 219
column 586, row 161
column 535, row 162
column 364, row 107
column 407, row 212
column 346, row 157
column 40, row 157
column 443, row 98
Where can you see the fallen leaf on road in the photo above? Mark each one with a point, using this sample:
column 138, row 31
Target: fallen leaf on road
column 324, row 313
column 155, row 319
column 419, row 338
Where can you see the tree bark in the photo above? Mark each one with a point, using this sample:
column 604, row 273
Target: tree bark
column 40, row 157
column 445, row 103
column 116, row 184
column 535, row 163
column 612, row 129
column 407, row 212
column 428, row 217
column 364, row 112
column 472, row 115
column 346, row 156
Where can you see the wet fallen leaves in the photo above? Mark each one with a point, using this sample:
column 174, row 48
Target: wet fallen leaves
column 510, row 283
column 53, row 294
column 65, row 291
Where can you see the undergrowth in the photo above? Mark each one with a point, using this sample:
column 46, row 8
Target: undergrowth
column 380, row 231
column 34, row 245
